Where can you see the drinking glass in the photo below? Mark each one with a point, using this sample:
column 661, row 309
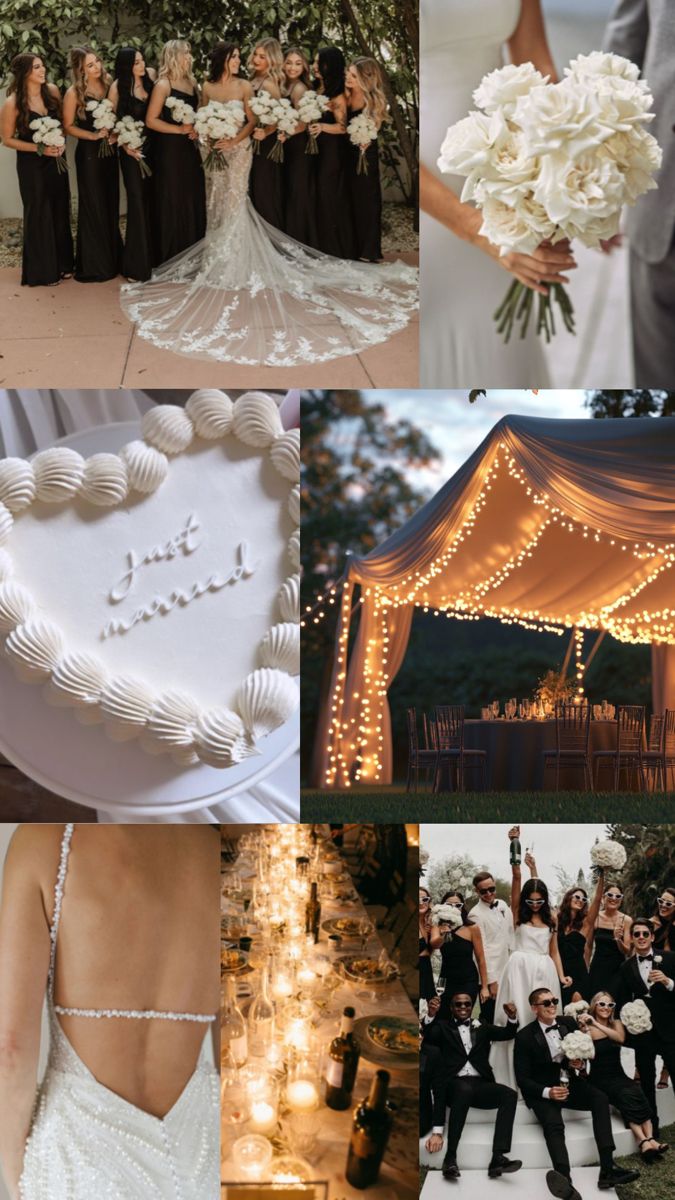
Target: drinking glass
column 495, row 709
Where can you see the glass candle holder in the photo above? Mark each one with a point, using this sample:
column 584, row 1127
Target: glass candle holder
column 263, row 1096
column 251, row 1157
column 289, row 1168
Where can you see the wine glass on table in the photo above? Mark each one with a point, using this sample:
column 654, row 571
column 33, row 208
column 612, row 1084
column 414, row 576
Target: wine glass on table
column 495, row 709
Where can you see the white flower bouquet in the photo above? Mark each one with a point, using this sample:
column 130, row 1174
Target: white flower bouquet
column 311, row 107
column 578, row 1045
column 446, row 914
column 609, row 855
column 131, row 133
column 103, row 117
column 361, row 131
column 548, row 162
column 218, row 120
column 48, row 132
column 636, row 1017
column 286, row 120
column 262, row 106
column 182, row 113
column 576, row 1009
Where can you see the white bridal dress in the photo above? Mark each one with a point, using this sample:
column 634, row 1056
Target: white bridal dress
column 530, row 966
column 460, row 287
column 250, row 294
column 88, row 1143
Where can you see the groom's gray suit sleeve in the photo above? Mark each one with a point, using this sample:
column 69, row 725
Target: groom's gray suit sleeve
column 628, row 29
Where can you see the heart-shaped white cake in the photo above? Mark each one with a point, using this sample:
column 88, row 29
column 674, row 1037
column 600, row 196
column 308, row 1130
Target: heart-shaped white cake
column 156, row 592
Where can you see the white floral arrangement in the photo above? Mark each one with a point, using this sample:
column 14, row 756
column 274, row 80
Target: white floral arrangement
column 47, row 131
column 182, row 113
column 578, row 1045
column 217, row 120
column 636, row 1017
column 286, row 120
column 311, row 107
column 131, row 133
column 361, row 131
column 423, row 1008
column 609, row 855
column 262, row 106
column 103, row 117
column 551, row 162
column 576, row 1009
column 446, row 914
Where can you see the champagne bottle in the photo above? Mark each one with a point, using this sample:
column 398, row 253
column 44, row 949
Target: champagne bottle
column 516, row 853
column 370, row 1132
column 343, row 1061
column 261, row 1020
column 313, row 913
column 234, row 1039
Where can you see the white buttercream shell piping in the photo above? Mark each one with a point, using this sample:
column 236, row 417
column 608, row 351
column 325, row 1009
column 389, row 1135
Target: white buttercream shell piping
column 147, row 467
column 16, row 606
column 6, row 566
column 6, row 523
column 285, row 454
column 58, row 474
column 294, row 504
column 34, row 649
column 265, row 700
column 211, row 413
column 126, row 704
column 105, row 482
column 280, row 648
column 220, row 738
column 77, row 681
column 256, row 420
column 17, row 483
column 168, row 428
column 172, row 721
column 289, row 599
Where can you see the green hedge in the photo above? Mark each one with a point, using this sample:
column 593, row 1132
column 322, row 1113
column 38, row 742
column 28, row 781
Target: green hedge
column 485, row 807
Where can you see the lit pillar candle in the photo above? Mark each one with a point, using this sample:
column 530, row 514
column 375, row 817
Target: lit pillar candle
column 251, row 1156
column 302, row 1095
column 263, row 1116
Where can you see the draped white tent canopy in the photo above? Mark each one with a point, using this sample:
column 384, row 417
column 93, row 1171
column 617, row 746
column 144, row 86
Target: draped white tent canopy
column 552, row 524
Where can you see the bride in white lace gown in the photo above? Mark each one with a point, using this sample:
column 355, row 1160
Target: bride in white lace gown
column 250, row 294
column 129, row 1106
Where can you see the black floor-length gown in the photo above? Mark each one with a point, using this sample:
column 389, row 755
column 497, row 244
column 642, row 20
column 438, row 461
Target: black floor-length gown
column 137, row 256
column 460, row 971
column 624, row 1093
column 365, row 193
column 607, row 958
column 299, row 188
column 179, row 190
column 333, row 214
column 98, row 249
column 45, row 195
column 571, row 946
column 266, row 182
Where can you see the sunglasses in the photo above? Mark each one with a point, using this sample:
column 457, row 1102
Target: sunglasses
column 613, row 895
column 642, row 935
column 462, row 1004
column 578, row 896
column 454, row 903
column 666, row 903
column 534, row 903
column 552, row 1003
column 605, row 1004
column 488, row 891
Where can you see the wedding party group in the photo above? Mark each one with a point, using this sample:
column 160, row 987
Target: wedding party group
column 253, row 222
column 560, row 994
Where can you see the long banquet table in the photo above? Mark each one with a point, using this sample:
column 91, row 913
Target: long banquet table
column 515, row 760
column 399, row 1179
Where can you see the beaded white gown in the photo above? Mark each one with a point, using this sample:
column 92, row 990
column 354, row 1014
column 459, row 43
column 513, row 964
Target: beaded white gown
column 250, row 294
column 530, row 966
column 88, row 1143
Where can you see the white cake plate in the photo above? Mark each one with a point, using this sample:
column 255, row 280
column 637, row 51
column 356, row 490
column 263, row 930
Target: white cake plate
column 80, row 763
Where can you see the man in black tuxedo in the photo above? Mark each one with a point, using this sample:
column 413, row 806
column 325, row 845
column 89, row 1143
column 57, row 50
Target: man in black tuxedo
column 538, row 1062
column 470, row 1082
column 432, row 1090
column 641, row 977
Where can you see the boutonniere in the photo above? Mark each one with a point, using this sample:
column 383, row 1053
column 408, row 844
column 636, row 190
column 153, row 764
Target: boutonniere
column 475, row 1024
column 658, row 958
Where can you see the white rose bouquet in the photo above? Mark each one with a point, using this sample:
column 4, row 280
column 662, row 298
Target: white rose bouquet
column 609, row 855
column 311, row 107
column 446, row 914
column 636, row 1017
column 262, row 106
column 131, row 133
column 575, row 1009
column 218, row 120
column 578, row 1045
column 103, row 117
column 182, row 113
column 286, row 120
column 548, row 162
column 48, row 132
column 361, row 131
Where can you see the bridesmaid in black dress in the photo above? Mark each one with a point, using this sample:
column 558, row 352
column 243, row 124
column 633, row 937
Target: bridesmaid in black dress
column 45, row 195
column 179, row 190
column 299, row 168
column 98, row 248
column 266, row 181
column 576, row 921
column 463, row 963
column 365, row 94
column 430, row 938
column 333, row 215
column 611, row 942
column 130, row 94
column 607, row 1074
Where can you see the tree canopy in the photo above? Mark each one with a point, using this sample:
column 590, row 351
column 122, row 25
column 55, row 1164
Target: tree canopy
column 650, row 864
column 634, row 402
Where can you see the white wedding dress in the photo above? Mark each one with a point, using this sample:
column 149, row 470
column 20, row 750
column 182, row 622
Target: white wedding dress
column 530, row 966
column 88, row 1143
column 460, row 287
column 250, row 294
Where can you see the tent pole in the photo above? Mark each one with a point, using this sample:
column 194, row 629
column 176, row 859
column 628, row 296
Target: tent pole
column 596, row 646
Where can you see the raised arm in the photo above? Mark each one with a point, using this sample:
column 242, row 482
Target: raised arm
column 516, row 879
column 479, row 954
column 594, row 907
column 24, row 966
column 529, row 43
column 627, row 30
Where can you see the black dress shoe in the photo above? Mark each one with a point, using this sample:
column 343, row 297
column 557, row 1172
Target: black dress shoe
column 615, row 1176
column 561, row 1187
column 501, row 1165
column 450, row 1170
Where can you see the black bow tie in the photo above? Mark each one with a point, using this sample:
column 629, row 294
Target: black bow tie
column 468, row 1022
column 552, row 1027
column 494, row 903
column 645, row 957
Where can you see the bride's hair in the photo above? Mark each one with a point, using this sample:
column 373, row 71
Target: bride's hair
column 170, row 59
column 275, row 60
column 465, row 915
column 565, row 916
column 219, row 60
column 369, row 74
column 78, row 57
column 524, row 910
column 305, row 77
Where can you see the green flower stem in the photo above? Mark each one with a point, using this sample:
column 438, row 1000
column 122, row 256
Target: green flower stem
column 518, row 303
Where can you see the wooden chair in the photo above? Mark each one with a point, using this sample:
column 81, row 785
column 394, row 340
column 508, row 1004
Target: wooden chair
column 652, row 757
column 572, row 740
column 628, row 751
column 451, row 749
column 660, row 755
column 419, row 757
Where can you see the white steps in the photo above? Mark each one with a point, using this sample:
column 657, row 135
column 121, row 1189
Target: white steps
column 522, row 1185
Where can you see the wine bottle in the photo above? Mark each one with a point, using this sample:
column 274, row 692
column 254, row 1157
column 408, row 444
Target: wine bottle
column 516, row 853
column 234, row 1039
column 313, row 913
column 261, row 1020
column 370, row 1133
column 343, row 1061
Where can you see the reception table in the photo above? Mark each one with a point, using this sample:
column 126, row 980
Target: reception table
column 515, row 760
column 399, row 1174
